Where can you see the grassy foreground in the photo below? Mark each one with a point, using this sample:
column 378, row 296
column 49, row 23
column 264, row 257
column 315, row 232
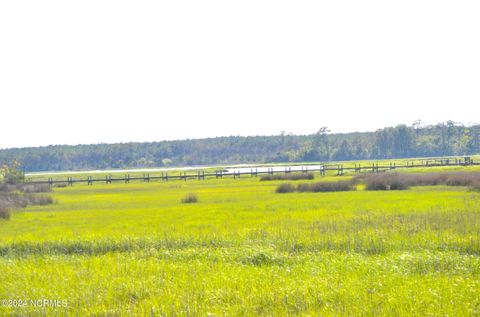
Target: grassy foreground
column 135, row 249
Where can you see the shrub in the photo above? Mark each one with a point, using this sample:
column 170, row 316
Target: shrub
column 386, row 181
column 4, row 212
column 3, row 187
column 317, row 187
column 13, row 200
column 326, row 187
column 292, row 177
column 189, row 198
column 476, row 186
column 34, row 188
column 38, row 200
column 285, row 188
column 462, row 179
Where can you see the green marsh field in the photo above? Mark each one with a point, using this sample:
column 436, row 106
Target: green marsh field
column 244, row 250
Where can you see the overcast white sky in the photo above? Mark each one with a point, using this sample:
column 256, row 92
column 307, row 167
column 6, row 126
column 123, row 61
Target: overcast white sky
column 117, row 71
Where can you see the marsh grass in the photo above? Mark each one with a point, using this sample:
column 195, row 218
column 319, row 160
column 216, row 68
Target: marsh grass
column 128, row 250
column 262, row 258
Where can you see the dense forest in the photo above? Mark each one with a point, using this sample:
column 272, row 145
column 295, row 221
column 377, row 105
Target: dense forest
column 442, row 139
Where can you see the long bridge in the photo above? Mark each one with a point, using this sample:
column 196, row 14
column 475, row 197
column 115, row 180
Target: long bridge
column 337, row 169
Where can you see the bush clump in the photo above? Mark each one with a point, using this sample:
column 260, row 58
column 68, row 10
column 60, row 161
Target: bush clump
column 4, row 212
column 387, row 181
column 15, row 193
column 291, row 177
column 475, row 185
column 9, row 201
column 285, row 188
column 339, row 186
column 392, row 181
column 463, row 179
column 34, row 188
column 25, row 188
column 39, row 200
column 189, row 198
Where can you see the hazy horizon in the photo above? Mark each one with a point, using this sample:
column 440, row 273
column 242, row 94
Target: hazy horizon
column 113, row 71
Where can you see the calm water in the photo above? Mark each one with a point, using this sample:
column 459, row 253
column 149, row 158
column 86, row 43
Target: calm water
column 277, row 168
column 240, row 168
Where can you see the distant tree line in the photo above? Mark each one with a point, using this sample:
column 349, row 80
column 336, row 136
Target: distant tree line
column 402, row 141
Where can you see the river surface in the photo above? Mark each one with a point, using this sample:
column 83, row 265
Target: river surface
column 239, row 168
column 276, row 168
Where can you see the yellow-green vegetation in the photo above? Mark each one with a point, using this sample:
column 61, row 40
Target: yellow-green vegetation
column 242, row 249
